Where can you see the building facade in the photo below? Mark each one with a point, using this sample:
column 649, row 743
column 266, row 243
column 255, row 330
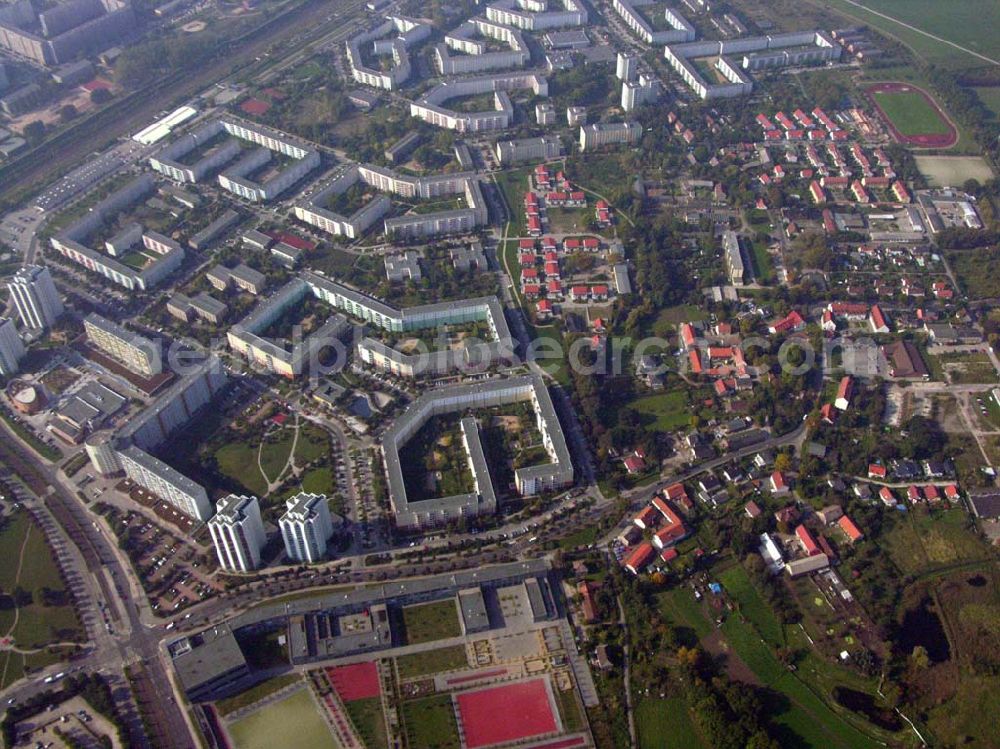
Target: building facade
column 136, row 352
column 238, row 533
column 35, row 297
column 306, row 527
column 11, row 348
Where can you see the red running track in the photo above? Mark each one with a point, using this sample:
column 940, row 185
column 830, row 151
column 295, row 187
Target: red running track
column 358, row 681
column 946, row 140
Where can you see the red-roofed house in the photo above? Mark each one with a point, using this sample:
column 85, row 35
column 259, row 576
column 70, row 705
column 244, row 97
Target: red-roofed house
column 552, row 270
column 913, row 493
column 529, row 275
column 687, row 334
column 673, row 531
column 777, row 483
column 647, row 517
column 534, row 226
column 876, row 471
column 850, row 529
column 887, row 497
column 579, row 293
column 669, row 554
column 532, row 290
column 752, row 509
column 544, row 308
column 789, row 323
column 807, row 541
column 554, row 288
column 694, row 357
column 931, row 493
column 877, row 320
column 951, row 492
column 640, row 558
column 844, row 393
column 634, row 464
column 599, row 292
column 527, row 259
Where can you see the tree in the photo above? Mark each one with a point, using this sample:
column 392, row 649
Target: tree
column 34, row 131
column 67, row 112
column 100, row 96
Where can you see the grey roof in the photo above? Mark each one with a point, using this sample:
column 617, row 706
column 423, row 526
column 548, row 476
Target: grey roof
column 209, row 305
column 158, row 468
column 303, row 506
column 361, row 598
column 473, row 609
column 231, row 509
column 214, row 654
column 90, row 402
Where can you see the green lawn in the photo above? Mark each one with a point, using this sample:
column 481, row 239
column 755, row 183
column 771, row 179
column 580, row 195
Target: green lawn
column 665, row 724
column 430, row 723
column 313, row 444
column 269, row 727
column 513, row 185
column 763, row 268
column 582, row 537
column 665, row 412
column 911, row 113
column 274, row 453
column 319, row 481
column 569, row 709
column 738, row 586
column 255, row 693
column 238, row 461
column 37, row 624
column 431, row 621
column 667, row 319
column 966, row 368
column 432, row 661
column 368, row 720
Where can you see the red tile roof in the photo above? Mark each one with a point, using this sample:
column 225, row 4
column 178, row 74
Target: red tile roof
column 808, row 542
column 847, row 526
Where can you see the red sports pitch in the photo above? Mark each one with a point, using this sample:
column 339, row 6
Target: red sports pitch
column 358, row 681
column 510, row 712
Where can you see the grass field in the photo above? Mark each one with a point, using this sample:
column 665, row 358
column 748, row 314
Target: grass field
column 665, row 411
column 669, row 318
column 952, row 171
column 990, row 97
column 431, row 661
column 431, row 621
column 911, row 113
column 763, row 267
column 319, row 481
column 978, row 271
column 238, row 461
column 368, row 720
column 922, row 541
column 430, row 723
column 665, row 724
column 255, row 693
column 274, row 454
column 269, row 727
column 966, row 368
column 313, row 444
column 968, row 23
column 33, row 625
column 753, row 607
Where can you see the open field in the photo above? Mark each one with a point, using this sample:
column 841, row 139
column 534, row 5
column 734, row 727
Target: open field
column 912, row 115
column 665, row 724
column 966, row 367
column 921, row 541
column 977, row 271
column 430, row 723
column 431, row 621
column 366, row 715
column 431, row 661
column 667, row 411
column 952, row 171
column 269, row 726
column 968, row 23
column 238, row 461
column 43, row 612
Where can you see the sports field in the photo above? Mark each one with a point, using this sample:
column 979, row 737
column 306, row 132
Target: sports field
column 912, row 116
column 358, row 681
column 952, row 171
column 529, row 701
column 269, row 727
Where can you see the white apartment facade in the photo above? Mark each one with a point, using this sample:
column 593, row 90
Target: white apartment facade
column 35, row 297
column 306, row 527
column 238, row 533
